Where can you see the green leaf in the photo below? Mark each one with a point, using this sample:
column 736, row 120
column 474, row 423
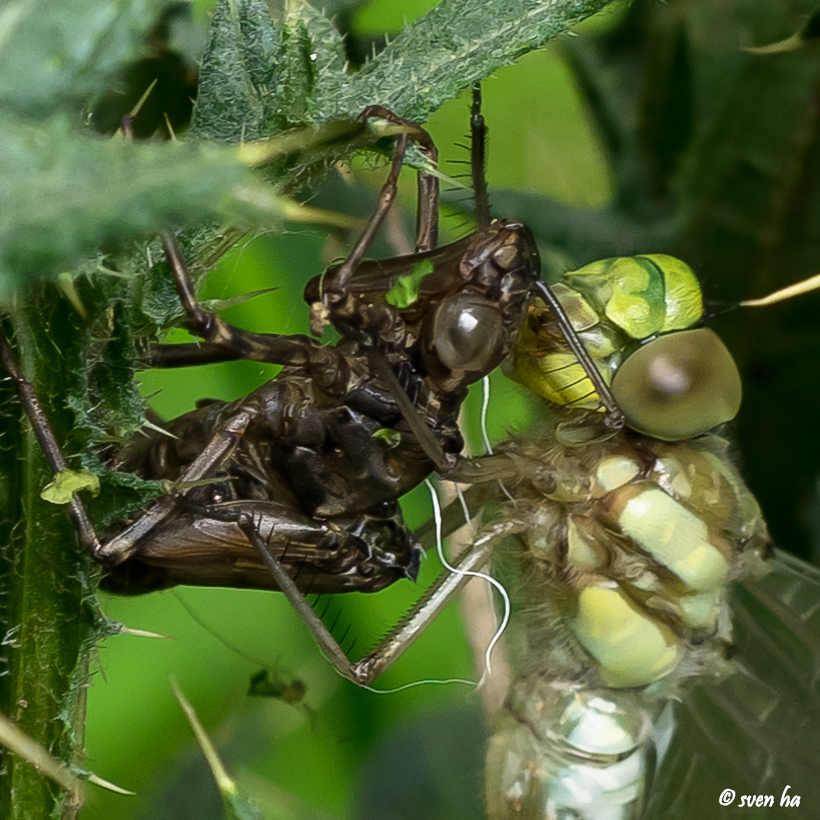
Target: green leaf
column 64, row 195
column 259, row 75
column 67, row 484
column 456, row 44
column 392, row 438
column 237, row 73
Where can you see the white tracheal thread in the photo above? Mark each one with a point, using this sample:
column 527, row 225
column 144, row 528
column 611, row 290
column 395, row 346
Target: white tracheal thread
column 413, row 684
column 488, row 667
column 446, row 564
column 242, row 654
column 485, row 406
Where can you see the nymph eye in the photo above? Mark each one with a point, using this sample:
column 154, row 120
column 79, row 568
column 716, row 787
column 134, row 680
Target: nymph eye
column 679, row 385
column 467, row 333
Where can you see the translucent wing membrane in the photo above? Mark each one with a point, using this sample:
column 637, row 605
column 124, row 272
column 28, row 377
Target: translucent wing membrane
column 756, row 731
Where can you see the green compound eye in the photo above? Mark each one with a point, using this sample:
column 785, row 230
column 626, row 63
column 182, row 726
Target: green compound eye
column 679, row 385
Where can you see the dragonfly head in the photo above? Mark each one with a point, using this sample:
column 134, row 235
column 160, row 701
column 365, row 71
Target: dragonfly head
column 638, row 319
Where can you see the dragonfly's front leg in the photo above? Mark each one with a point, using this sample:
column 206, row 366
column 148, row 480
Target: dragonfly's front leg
column 219, row 449
column 224, row 342
column 428, row 184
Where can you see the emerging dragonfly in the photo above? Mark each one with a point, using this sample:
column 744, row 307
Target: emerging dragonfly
column 590, row 498
column 619, row 548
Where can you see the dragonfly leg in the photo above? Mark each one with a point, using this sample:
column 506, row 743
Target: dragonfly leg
column 393, row 645
column 218, row 450
column 327, row 643
column 190, row 354
column 435, row 599
column 223, row 342
column 428, row 184
column 335, row 290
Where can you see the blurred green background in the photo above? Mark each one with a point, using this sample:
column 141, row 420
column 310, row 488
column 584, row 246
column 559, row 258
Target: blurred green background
column 416, row 753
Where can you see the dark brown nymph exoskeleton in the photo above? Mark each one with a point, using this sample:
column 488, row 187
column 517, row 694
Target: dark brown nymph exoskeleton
column 295, row 487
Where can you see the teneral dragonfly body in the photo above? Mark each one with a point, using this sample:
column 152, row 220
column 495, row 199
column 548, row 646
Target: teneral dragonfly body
column 621, row 545
column 624, row 564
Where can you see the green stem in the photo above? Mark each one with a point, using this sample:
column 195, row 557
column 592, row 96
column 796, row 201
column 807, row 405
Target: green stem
column 48, row 615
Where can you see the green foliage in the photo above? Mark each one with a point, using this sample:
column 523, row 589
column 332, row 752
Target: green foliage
column 55, row 58
column 406, row 289
column 67, row 484
column 66, row 194
column 258, row 76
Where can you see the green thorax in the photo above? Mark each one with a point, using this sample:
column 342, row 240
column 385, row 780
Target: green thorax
column 613, row 304
column 638, row 319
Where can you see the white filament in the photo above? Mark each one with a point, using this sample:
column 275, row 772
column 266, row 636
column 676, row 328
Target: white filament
column 488, row 667
column 485, row 406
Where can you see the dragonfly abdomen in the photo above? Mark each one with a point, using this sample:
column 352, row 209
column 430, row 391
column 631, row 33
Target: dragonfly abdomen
column 623, row 578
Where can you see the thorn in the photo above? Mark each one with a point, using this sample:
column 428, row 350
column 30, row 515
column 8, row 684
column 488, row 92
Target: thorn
column 105, row 784
column 797, row 289
column 169, row 127
column 17, row 741
column 65, row 281
column 151, row 426
column 143, row 633
column 789, row 44
column 223, row 780
column 119, row 133
column 327, row 607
